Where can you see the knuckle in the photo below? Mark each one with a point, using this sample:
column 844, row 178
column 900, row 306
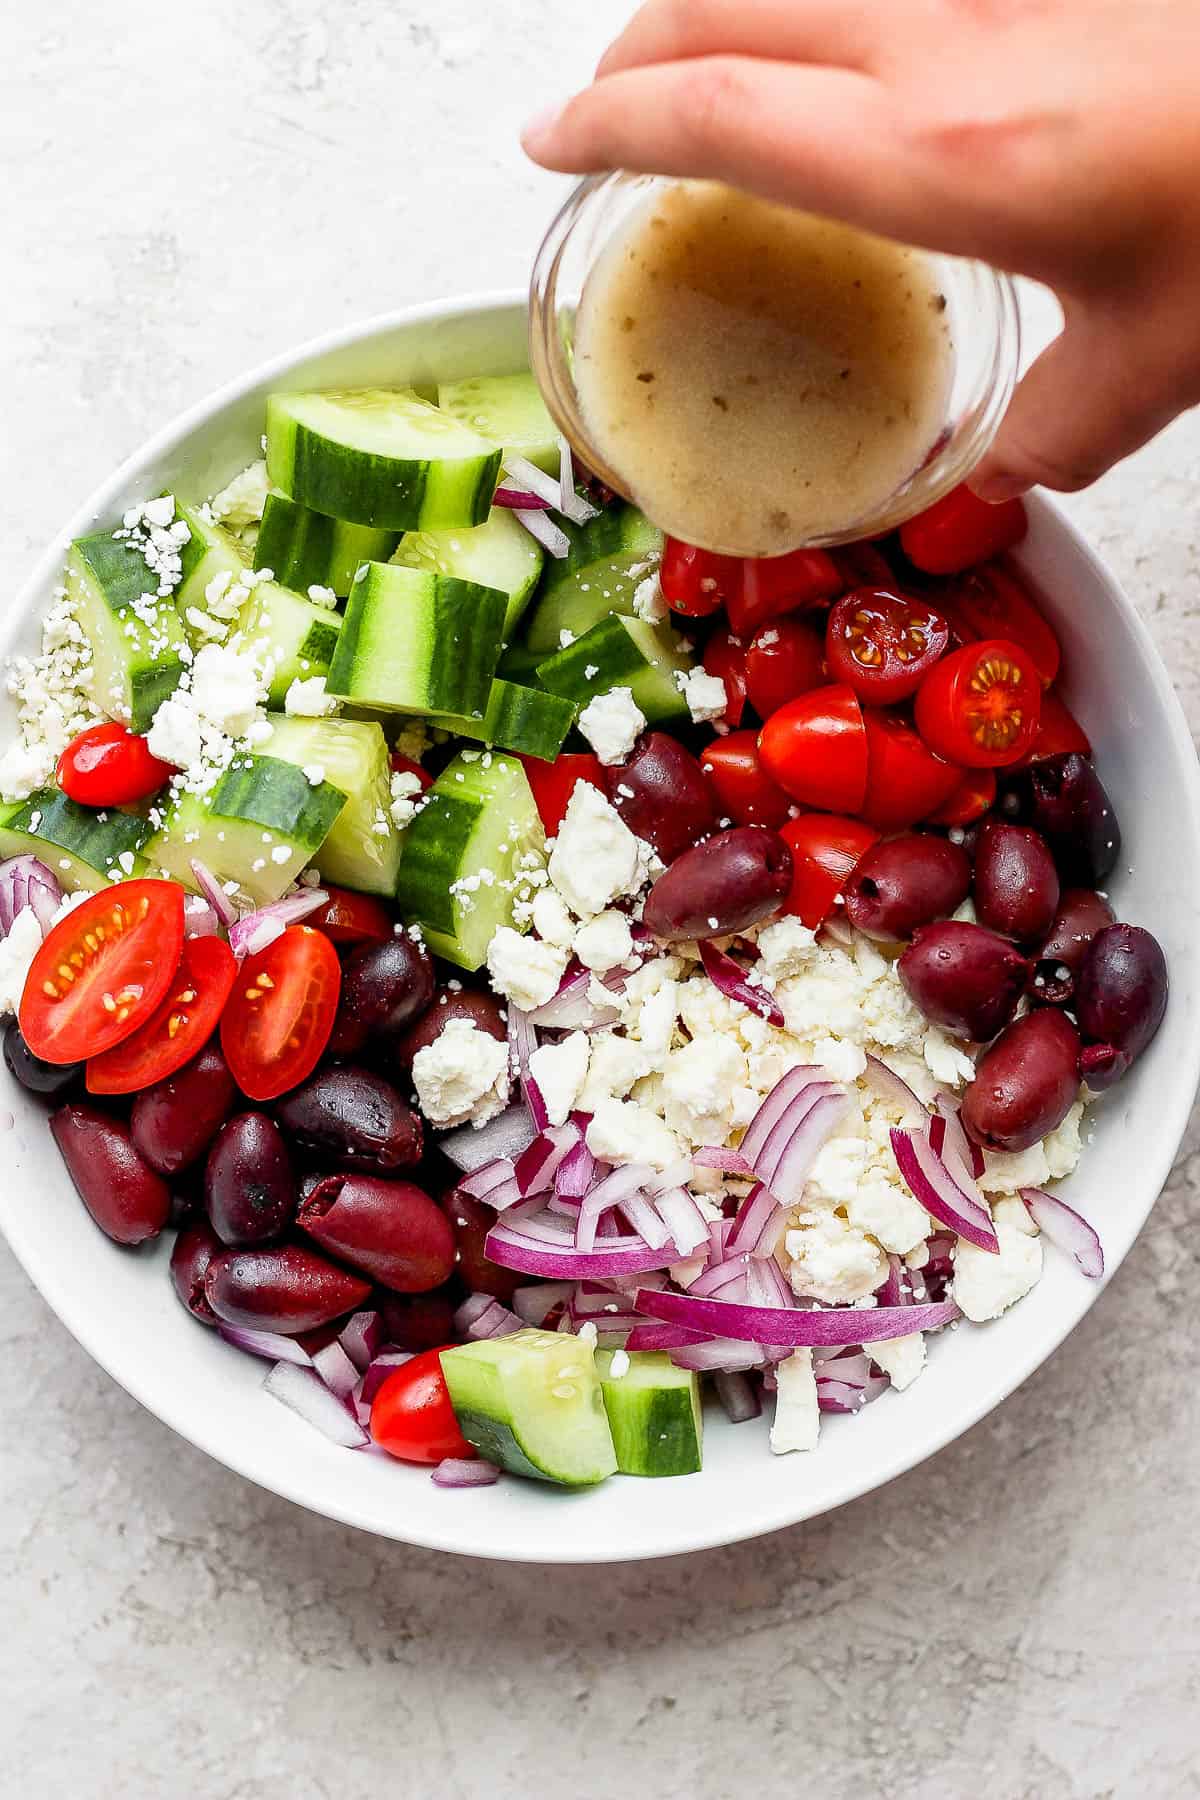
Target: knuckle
column 712, row 103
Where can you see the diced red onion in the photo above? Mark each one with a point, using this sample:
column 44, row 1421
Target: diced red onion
column 576, row 1173
column 1066, row 1230
column 271, row 1344
column 718, row 1239
column 852, row 1368
column 519, row 500
column 303, row 1391
column 533, row 1305
column 755, row 1220
column 458, row 1472
column 617, row 1188
column 951, row 1142
column 888, row 1086
column 336, row 1369
column 200, row 918
column 576, row 508
column 793, row 1147
column 534, row 480
column 214, row 893
column 650, row 1336
column 470, row 1309
column 541, row 526
column 730, row 979
column 540, row 1161
column 562, row 1262
column 489, row 1176
column 378, row 1370
column 683, row 1219
column 571, row 1009
column 941, row 1191
column 711, row 1156
column 738, row 1396
column 26, row 881
column 781, row 1096
column 522, row 1042
column 504, row 1136
column 495, row 1320
column 360, row 1337
column 721, row 1276
column 251, row 934
column 718, row 1353
column 645, row 1220
column 796, row 1326
column 894, row 1290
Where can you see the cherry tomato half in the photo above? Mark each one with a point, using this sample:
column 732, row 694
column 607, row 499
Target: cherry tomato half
column 774, row 585
column 102, row 970
column 109, row 765
column 960, row 530
column 1059, row 732
column 785, row 658
column 905, row 780
column 815, row 747
column 996, row 602
column 980, row 706
column 882, row 643
column 826, row 849
column 697, row 582
column 406, row 765
column 183, row 1023
column 725, row 657
column 745, row 792
column 863, row 565
column 279, row 1016
column 554, row 783
column 411, row 1415
column 350, row 918
column 974, row 795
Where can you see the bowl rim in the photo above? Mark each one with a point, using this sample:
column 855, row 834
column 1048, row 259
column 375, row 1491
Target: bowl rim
column 288, row 1482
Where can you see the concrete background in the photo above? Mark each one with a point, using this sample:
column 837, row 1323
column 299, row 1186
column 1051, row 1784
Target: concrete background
column 187, row 189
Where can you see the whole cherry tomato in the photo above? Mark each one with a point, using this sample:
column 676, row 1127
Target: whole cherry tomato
column 554, row 783
column 826, row 849
column 883, row 642
column 745, row 792
column 411, row 1415
column 815, row 747
column 109, row 765
column 697, row 582
column 996, row 602
column 980, row 706
column 863, row 565
column 974, row 795
column 785, row 658
column 960, row 530
column 725, row 657
column 774, row 585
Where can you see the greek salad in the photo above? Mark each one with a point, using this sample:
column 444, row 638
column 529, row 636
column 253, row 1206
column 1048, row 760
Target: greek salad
column 534, row 970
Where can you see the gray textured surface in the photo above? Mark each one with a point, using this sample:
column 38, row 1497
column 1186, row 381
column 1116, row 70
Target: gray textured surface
column 189, row 189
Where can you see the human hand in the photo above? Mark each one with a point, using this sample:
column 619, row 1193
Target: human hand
column 1055, row 138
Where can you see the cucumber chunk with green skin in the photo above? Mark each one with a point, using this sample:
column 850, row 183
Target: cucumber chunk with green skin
column 507, row 410
column 306, row 549
column 251, row 814
column 519, row 664
column 653, row 1412
column 136, row 638
column 498, row 554
column 416, row 642
column 380, row 457
column 210, row 551
column 468, row 855
column 532, row 1403
column 363, row 847
column 609, row 559
column 621, row 653
column 522, row 719
column 293, row 637
column 83, row 848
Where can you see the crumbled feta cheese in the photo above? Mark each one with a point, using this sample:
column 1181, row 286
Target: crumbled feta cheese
column 947, row 1061
column 1064, row 1146
column 830, row 1260
column 596, row 857
column 618, row 1365
column 321, row 596
column 560, row 1071
column 525, row 970
column 566, row 638
column 17, row 951
column 901, row 1358
column 1006, row 1172
column 704, row 693
column 611, row 723
column 552, row 919
column 605, row 942
column 413, row 740
column 314, row 773
column 886, row 1211
column 307, row 699
column 649, row 601
column 244, row 500
column 406, row 790
column 225, row 688
column 797, row 1422
column 985, row 1285
column 785, row 948
column 624, row 1131
column 174, row 734
column 463, row 1075
column 698, row 1086
column 25, row 767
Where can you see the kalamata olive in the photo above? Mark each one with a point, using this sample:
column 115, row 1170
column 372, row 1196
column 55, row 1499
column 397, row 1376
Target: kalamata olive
column 194, row 1249
column 283, row 1287
column 465, row 1003
column 1081, row 914
column 390, row 1230
column 472, row 1220
column 1016, row 883
column 417, row 1321
column 733, row 880
column 964, row 978
column 385, row 988
column 906, row 882
column 175, row 1121
column 662, row 794
column 1120, row 999
column 1025, row 1083
column 48, row 1079
column 350, row 1118
column 1066, row 801
column 249, row 1188
column 307, row 1183
column 124, row 1195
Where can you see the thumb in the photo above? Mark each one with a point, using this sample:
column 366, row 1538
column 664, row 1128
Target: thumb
column 1081, row 407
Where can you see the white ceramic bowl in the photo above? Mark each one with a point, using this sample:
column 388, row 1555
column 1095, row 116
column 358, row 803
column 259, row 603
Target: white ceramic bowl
column 120, row 1304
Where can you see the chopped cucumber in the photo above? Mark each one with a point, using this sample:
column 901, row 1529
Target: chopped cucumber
column 135, row 638
column 259, row 808
column 610, row 557
column 380, row 457
column 209, row 552
column 621, row 653
column 532, row 1403
column 466, row 853
column 305, row 549
column 418, row 643
column 507, row 410
column 363, row 847
column 85, row 849
column 497, row 554
column 517, row 718
column 519, row 664
column 653, row 1412
column 295, row 638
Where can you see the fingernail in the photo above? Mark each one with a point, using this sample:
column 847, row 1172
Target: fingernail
column 540, row 129
column 997, row 488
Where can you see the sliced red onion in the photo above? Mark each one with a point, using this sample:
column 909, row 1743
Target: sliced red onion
column 571, row 1009
column 533, row 1305
column 336, row 1369
column 730, row 979
column 796, row 1326
column 576, row 1173
column 732, row 1162
column 1066, row 1230
column 683, row 1219
column 894, row 1291
column 458, row 1472
column 649, row 1336
column 888, row 1086
column 562, row 1262
column 852, row 1367
column 303, row 1391
column 484, row 1180
column 494, row 1321
column 941, row 1190
column 200, row 918
column 378, row 1370
column 787, row 1089
column 539, row 525
column 719, row 1277
column 718, row 1353
column 617, row 1189
column 755, row 1221
column 574, row 506
column 950, row 1140
column 644, row 1219
column 541, row 1160
column 214, row 893
column 527, row 475
column 522, row 1042
column 252, row 934
column 519, row 500
column 360, row 1337
column 718, row 1239
column 271, row 1344
column 471, row 1308
column 793, row 1147
column 738, row 1396
column 504, row 1136
column 26, row 881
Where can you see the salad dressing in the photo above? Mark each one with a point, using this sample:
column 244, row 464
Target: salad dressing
column 759, row 378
